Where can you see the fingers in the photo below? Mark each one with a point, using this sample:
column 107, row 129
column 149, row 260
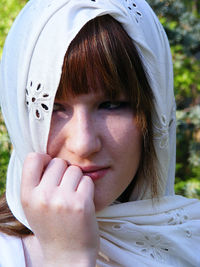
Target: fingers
column 86, row 186
column 71, row 179
column 33, row 168
column 41, row 170
column 53, row 173
column 42, row 173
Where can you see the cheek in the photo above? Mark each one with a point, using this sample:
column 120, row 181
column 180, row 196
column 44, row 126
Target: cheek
column 124, row 132
column 55, row 139
column 126, row 144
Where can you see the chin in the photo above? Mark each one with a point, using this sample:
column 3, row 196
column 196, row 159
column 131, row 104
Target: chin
column 100, row 205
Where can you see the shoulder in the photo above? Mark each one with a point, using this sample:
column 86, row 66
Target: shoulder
column 11, row 251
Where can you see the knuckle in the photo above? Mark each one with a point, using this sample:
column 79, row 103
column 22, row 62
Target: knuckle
column 58, row 205
column 79, row 209
column 81, row 206
column 59, row 161
column 41, row 203
column 36, row 158
column 88, row 180
column 32, row 156
column 25, row 201
column 75, row 169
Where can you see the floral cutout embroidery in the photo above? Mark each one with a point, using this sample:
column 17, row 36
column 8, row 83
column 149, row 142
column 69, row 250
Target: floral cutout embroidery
column 152, row 245
column 161, row 132
column 37, row 100
column 132, row 7
column 188, row 233
column 177, row 216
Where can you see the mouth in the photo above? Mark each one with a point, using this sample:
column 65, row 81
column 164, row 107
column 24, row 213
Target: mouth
column 95, row 173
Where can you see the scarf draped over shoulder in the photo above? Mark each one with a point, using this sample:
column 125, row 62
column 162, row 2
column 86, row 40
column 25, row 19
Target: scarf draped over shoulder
column 144, row 232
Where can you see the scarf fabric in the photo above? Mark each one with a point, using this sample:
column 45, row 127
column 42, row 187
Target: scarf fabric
column 144, row 232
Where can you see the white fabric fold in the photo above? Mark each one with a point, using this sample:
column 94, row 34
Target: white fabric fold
column 145, row 233
column 31, row 69
column 11, row 246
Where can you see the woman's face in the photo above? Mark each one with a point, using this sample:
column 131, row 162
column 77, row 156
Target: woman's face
column 102, row 138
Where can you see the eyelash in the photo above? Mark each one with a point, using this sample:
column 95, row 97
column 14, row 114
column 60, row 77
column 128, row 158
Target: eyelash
column 58, row 107
column 107, row 105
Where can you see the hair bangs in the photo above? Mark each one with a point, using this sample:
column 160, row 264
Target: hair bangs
column 103, row 59
column 97, row 61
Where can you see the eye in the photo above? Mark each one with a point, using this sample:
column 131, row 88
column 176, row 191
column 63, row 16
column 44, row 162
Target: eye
column 58, row 107
column 115, row 105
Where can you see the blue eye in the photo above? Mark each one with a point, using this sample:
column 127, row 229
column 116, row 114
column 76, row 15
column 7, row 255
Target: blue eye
column 109, row 105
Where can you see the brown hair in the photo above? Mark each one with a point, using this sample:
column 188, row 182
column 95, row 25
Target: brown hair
column 8, row 223
column 102, row 57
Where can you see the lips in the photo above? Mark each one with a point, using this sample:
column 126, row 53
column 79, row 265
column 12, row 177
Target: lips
column 95, row 173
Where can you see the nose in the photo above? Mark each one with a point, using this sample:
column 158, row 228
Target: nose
column 83, row 138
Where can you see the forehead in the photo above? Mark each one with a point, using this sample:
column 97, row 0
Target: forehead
column 89, row 97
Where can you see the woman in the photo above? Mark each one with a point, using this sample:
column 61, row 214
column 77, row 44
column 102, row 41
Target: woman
column 91, row 96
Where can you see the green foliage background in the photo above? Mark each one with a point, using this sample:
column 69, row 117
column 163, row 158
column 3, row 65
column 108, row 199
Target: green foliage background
column 181, row 21
column 8, row 11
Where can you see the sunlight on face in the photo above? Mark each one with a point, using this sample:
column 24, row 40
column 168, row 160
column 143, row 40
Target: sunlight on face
column 102, row 138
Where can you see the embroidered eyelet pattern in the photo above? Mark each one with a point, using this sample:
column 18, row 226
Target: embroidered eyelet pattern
column 161, row 129
column 177, row 216
column 116, row 227
column 37, row 100
column 161, row 132
column 188, row 233
column 132, row 7
column 152, row 245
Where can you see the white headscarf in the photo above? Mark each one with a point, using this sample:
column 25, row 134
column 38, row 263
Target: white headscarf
column 135, row 233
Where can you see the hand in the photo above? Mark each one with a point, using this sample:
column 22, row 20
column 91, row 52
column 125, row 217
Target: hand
column 58, row 203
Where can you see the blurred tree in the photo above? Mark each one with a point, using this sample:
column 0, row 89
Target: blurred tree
column 181, row 25
column 193, row 6
column 180, row 19
column 8, row 11
column 5, row 150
